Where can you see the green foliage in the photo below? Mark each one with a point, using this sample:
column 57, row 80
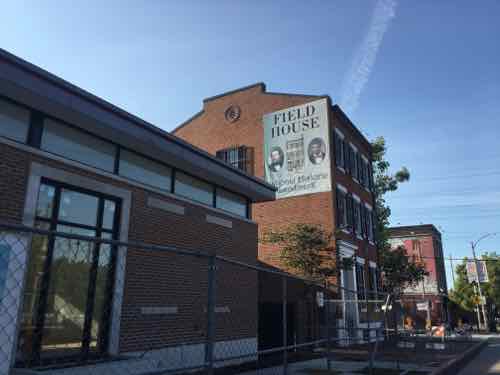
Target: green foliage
column 400, row 270
column 306, row 249
column 463, row 292
column 384, row 182
column 491, row 289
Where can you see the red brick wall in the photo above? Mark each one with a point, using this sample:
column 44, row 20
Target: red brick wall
column 155, row 278
column 212, row 132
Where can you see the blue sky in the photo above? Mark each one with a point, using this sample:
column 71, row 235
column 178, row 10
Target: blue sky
column 424, row 74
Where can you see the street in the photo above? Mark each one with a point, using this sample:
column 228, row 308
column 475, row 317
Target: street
column 486, row 362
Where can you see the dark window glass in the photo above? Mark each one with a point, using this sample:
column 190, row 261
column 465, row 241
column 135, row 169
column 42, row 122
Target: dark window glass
column 231, row 202
column 76, row 145
column 45, row 203
column 193, row 188
column 341, row 209
column 78, row 208
column 108, row 214
column 144, row 170
column 14, row 121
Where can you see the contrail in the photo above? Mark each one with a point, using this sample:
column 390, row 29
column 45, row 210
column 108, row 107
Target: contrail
column 362, row 64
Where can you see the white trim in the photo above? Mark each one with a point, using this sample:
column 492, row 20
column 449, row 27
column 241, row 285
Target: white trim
column 364, row 158
column 342, row 188
column 372, row 264
column 341, row 169
column 369, row 206
column 100, row 172
column 356, row 198
column 339, row 133
column 353, row 147
column 37, row 171
column 360, row 260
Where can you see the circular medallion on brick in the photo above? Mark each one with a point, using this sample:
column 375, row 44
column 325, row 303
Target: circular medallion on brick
column 233, row 113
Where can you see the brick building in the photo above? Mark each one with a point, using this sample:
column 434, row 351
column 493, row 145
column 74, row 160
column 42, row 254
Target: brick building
column 423, row 242
column 231, row 126
column 74, row 163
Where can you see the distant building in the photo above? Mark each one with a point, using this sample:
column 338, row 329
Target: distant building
column 424, row 243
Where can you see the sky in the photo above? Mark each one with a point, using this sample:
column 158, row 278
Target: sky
column 423, row 74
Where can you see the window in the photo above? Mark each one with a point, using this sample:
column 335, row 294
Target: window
column 73, row 144
column 360, row 280
column 239, row 157
column 357, row 218
column 5, row 250
column 231, row 202
column 145, row 170
column 353, row 162
column 350, row 212
column 339, row 150
column 14, row 121
column 369, row 224
column 193, row 188
column 341, row 209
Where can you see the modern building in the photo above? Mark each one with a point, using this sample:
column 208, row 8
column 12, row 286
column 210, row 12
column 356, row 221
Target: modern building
column 423, row 243
column 75, row 163
column 319, row 161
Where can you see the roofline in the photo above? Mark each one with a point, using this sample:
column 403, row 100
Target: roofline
column 178, row 127
column 403, row 228
column 337, row 110
column 210, row 98
column 42, row 73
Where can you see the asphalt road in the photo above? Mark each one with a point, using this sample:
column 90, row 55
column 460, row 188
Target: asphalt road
column 486, row 362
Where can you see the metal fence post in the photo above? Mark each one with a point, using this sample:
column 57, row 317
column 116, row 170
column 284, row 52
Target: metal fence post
column 210, row 339
column 328, row 329
column 285, row 330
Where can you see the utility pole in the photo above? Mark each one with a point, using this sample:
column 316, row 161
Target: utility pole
column 485, row 317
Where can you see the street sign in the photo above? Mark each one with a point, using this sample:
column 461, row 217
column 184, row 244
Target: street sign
column 422, row 306
column 320, row 299
column 476, row 270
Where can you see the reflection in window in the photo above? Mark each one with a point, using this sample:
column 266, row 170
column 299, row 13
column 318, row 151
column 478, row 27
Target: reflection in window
column 108, row 215
column 78, row 208
column 193, row 188
column 231, row 202
column 45, row 203
column 14, row 121
column 144, row 170
column 74, row 144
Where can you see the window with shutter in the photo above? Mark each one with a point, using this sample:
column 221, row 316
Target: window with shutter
column 360, row 168
column 341, row 210
column 338, row 150
column 363, row 220
column 350, row 214
column 345, row 148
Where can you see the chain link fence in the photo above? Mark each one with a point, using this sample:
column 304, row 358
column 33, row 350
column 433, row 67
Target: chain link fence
column 74, row 301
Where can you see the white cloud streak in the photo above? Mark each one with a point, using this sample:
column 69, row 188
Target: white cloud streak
column 366, row 55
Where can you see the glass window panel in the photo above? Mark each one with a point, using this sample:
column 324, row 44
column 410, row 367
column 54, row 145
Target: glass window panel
column 78, row 208
column 14, row 121
column 73, row 144
column 231, row 202
column 193, row 188
column 108, row 215
column 144, row 170
column 67, row 294
column 45, row 203
column 32, row 287
column 101, row 308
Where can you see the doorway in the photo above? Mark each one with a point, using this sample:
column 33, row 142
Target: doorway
column 69, row 283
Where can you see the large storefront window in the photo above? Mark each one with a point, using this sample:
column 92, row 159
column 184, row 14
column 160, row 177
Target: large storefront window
column 67, row 298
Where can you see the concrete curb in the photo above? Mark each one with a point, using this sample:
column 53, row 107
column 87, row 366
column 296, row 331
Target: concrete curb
column 454, row 365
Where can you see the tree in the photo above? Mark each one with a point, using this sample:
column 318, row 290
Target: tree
column 306, row 249
column 384, row 182
column 400, row 270
column 463, row 292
